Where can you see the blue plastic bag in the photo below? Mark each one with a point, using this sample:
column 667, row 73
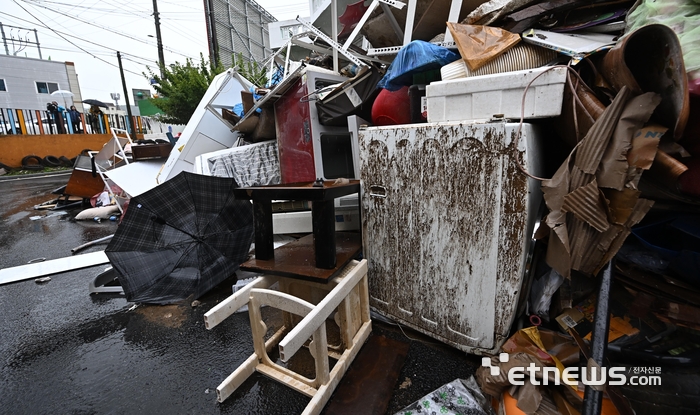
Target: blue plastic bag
column 238, row 109
column 416, row 57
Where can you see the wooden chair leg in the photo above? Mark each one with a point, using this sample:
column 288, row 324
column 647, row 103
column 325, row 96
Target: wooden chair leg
column 348, row 294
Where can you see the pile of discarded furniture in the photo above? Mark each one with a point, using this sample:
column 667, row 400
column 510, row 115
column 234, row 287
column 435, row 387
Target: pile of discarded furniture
column 521, row 184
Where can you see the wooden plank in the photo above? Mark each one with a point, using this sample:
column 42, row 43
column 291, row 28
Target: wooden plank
column 82, row 183
column 368, row 385
column 240, row 298
column 236, row 379
column 296, row 259
column 298, row 191
column 247, row 368
column 296, row 338
column 324, row 392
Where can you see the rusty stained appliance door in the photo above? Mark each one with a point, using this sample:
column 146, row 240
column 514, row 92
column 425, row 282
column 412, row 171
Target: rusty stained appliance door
column 447, row 221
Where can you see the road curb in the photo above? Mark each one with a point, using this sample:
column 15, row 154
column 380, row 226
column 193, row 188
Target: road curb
column 35, row 175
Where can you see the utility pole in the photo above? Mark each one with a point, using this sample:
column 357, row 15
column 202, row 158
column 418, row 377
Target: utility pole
column 211, row 32
column 36, row 36
column 130, row 120
column 161, row 59
column 4, row 40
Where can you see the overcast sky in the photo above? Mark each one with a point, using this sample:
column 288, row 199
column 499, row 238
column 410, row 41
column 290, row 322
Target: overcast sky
column 90, row 32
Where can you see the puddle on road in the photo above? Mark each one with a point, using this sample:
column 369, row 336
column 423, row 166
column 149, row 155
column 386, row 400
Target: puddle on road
column 171, row 316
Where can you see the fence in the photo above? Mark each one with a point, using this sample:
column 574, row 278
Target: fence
column 43, row 122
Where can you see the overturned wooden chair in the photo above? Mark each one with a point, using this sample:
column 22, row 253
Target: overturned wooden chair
column 347, row 293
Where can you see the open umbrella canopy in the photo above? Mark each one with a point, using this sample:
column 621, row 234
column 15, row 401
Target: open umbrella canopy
column 95, row 102
column 180, row 239
column 63, row 94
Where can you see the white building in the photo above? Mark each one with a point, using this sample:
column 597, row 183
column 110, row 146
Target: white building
column 27, row 83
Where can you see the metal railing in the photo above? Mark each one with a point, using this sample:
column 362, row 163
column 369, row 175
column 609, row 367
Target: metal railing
column 40, row 122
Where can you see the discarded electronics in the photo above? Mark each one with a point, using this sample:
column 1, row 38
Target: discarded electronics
column 447, row 224
column 307, row 149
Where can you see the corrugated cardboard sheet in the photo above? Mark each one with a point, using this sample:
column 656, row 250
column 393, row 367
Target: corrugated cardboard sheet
column 592, row 198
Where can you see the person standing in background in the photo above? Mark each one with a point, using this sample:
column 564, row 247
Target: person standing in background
column 74, row 119
column 96, row 116
column 56, row 112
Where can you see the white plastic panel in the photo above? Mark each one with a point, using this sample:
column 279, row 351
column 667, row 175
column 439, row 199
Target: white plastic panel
column 206, row 131
column 481, row 97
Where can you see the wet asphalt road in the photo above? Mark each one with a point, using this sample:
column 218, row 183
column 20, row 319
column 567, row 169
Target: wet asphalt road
column 63, row 351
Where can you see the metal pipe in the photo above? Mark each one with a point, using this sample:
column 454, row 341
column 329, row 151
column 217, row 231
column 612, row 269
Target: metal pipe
column 592, row 398
column 91, row 243
column 334, row 32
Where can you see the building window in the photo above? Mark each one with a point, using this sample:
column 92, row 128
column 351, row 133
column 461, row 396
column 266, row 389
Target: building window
column 46, row 87
column 3, row 88
column 289, row 31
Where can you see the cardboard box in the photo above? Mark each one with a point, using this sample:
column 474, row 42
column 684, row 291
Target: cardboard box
column 570, row 318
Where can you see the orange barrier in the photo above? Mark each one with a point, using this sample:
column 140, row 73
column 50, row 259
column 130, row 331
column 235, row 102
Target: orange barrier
column 13, row 148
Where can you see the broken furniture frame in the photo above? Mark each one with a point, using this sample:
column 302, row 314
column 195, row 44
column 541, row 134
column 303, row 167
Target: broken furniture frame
column 313, row 29
column 453, row 16
column 111, row 154
column 215, row 108
column 347, row 292
column 385, row 3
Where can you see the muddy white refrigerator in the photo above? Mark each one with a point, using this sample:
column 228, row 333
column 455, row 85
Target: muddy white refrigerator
column 447, row 221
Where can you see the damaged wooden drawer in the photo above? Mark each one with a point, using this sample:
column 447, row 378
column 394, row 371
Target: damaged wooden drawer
column 150, row 151
column 482, row 97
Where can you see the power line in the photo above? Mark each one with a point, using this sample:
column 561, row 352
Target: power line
column 71, row 35
column 94, row 56
column 105, row 28
column 143, row 61
column 87, row 8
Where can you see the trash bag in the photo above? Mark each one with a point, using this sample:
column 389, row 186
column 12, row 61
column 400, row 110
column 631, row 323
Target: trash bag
column 480, row 45
column 457, row 397
column 416, row 57
column 353, row 97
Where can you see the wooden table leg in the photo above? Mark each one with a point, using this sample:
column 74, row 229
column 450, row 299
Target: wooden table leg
column 262, row 216
column 323, row 222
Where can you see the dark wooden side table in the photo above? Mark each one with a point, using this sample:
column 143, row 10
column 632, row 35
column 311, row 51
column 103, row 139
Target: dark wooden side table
column 322, row 196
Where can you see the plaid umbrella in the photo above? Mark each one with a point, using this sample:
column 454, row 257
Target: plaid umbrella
column 181, row 239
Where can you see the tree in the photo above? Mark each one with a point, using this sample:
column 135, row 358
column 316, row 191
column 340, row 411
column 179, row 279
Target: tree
column 181, row 88
column 250, row 70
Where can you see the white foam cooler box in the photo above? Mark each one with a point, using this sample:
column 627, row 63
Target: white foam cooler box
column 482, row 97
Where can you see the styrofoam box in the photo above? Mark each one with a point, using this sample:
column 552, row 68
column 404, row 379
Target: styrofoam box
column 482, row 97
